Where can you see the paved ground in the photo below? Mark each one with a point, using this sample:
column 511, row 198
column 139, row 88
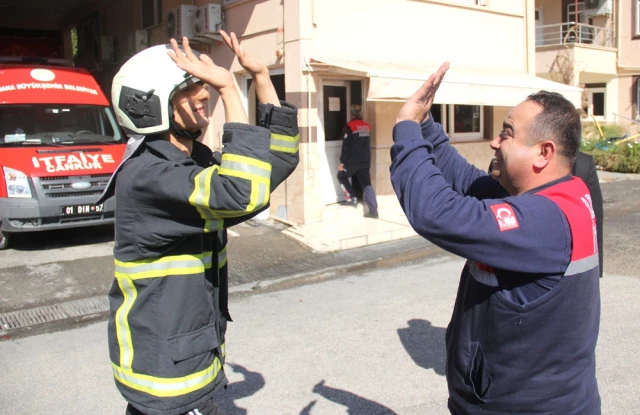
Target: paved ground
column 359, row 343
column 47, row 269
column 358, row 332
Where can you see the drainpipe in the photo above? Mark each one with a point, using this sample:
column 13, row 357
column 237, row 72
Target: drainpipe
column 308, row 69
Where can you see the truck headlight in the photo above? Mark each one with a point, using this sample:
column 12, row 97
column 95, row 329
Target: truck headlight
column 17, row 183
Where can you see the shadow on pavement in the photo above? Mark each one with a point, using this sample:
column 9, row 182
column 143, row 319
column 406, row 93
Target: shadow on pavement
column 425, row 344
column 356, row 405
column 252, row 383
column 61, row 238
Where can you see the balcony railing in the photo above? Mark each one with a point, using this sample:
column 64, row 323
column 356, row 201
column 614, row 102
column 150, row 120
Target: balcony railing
column 572, row 33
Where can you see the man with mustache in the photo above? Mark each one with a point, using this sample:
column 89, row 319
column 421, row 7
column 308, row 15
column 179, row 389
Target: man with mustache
column 525, row 323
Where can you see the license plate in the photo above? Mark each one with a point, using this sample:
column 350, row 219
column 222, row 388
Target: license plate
column 76, row 210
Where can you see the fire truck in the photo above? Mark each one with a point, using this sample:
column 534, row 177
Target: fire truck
column 59, row 145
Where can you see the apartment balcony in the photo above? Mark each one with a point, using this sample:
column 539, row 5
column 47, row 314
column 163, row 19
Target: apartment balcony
column 567, row 52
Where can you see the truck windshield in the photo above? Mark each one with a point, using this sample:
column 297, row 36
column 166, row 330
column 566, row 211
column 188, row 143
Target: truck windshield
column 57, row 125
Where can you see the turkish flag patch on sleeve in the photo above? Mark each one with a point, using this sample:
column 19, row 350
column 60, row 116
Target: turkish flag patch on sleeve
column 505, row 216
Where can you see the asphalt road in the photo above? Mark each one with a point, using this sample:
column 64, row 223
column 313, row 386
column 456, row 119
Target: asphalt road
column 360, row 343
column 46, row 268
column 50, row 267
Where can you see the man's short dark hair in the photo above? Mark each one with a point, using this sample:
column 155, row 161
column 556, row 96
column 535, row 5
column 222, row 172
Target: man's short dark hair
column 559, row 121
column 356, row 111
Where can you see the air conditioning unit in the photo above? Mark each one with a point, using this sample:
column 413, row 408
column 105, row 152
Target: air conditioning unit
column 597, row 7
column 208, row 20
column 140, row 40
column 180, row 21
column 107, row 50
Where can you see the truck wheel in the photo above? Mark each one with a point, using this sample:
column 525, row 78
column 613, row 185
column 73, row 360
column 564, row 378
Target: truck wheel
column 4, row 240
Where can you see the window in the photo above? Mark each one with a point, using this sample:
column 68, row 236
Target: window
column 151, row 11
column 250, row 98
column 460, row 122
column 539, row 29
column 597, row 96
column 465, row 122
column 584, row 33
column 636, row 19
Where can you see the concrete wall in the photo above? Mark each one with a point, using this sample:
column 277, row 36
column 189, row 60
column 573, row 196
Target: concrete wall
column 551, row 11
column 594, row 60
column 626, row 99
column 304, row 29
column 629, row 47
column 415, row 31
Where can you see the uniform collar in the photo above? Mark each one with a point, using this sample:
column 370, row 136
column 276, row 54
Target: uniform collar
column 551, row 183
column 166, row 149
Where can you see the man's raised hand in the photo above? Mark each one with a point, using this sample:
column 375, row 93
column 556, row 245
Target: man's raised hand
column 419, row 104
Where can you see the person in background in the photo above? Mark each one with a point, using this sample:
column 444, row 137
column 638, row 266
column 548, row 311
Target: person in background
column 355, row 161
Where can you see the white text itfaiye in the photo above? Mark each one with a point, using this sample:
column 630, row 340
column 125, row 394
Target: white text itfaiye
column 72, row 162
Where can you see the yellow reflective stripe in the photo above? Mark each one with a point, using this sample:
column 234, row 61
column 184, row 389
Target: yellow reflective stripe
column 285, row 143
column 208, row 259
column 229, row 157
column 256, row 171
column 123, row 332
column 200, row 200
column 167, row 387
column 223, row 349
column 222, row 257
column 161, row 267
column 202, row 189
column 245, row 168
column 259, row 196
column 212, row 225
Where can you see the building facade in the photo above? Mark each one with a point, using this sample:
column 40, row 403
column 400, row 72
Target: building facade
column 593, row 44
column 325, row 55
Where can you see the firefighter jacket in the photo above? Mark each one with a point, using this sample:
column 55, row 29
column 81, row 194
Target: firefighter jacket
column 356, row 145
column 168, row 301
column 523, row 333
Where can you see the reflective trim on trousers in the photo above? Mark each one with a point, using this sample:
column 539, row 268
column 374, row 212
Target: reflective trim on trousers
column 167, row 387
column 208, row 259
column 222, row 257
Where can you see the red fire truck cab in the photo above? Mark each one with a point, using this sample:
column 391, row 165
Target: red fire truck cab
column 59, row 145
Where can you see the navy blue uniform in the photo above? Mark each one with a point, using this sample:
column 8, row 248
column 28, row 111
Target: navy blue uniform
column 524, row 327
column 356, row 158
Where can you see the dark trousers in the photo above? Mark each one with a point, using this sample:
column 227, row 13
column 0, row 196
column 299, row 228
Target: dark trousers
column 362, row 176
column 209, row 407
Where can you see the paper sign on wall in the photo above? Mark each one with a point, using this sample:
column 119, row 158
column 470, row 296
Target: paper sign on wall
column 334, row 104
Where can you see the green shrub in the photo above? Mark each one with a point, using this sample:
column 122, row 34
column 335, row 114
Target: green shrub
column 623, row 158
column 590, row 131
column 613, row 130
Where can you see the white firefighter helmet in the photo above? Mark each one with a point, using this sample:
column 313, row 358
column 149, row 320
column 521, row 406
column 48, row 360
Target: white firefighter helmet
column 143, row 87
